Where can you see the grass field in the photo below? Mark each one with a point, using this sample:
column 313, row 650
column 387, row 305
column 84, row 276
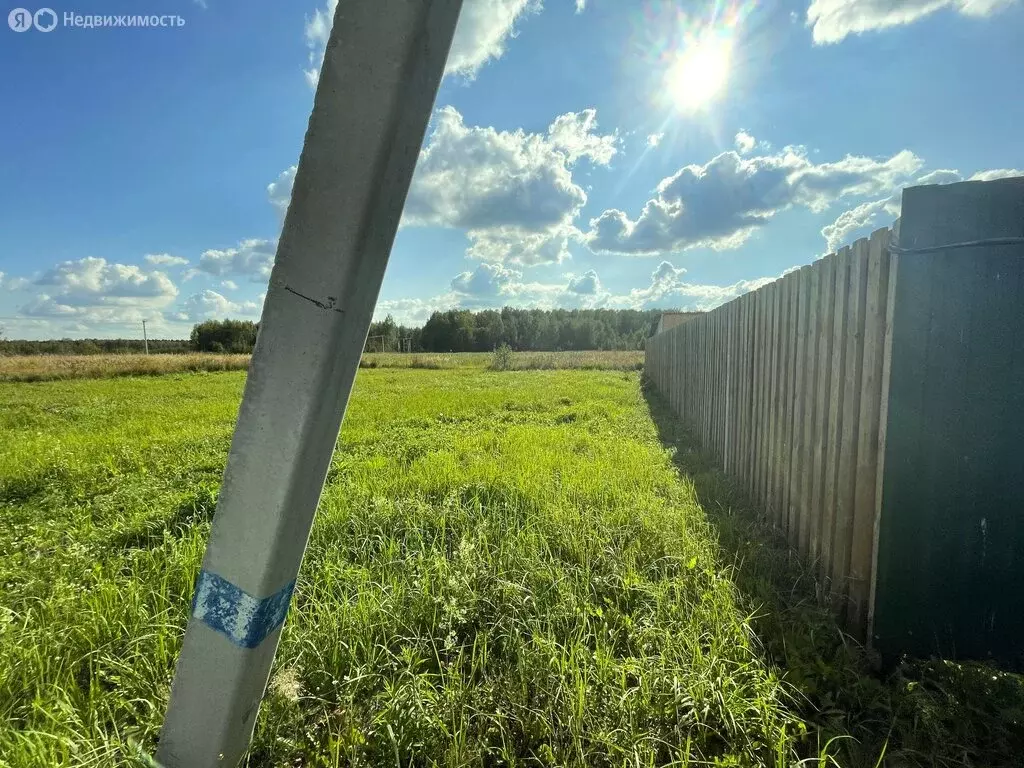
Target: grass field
column 507, row 569
column 61, row 367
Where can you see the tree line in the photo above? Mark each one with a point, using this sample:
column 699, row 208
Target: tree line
column 457, row 330
column 93, row 346
column 462, row 330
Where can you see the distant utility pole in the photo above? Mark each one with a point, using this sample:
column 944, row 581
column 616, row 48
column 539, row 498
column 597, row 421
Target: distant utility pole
column 145, row 339
column 381, row 70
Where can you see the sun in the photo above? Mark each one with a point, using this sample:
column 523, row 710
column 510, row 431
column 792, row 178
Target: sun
column 700, row 72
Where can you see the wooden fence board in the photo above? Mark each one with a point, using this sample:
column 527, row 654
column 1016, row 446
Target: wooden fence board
column 717, row 390
column 728, row 421
column 852, row 374
column 883, row 421
column 864, row 507
column 757, row 382
column 747, row 400
column 786, row 401
column 735, row 423
column 734, row 420
column 773, row 398
column 788, row 345
column 773, row 395
column 757, row 399
column 780, row 399
column 799, row 398
column 796, row 301
column 826, row 315
column 799, row 340
column 835, row 408
column 785, row 304
column 810, row 361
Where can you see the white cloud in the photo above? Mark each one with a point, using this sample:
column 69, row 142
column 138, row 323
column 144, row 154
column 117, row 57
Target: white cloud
column 998, row 173
column 573, row 134
column 719, row 204
column 866, row 216
column 655, row 139
column 252, row 258
column 840, row 231
column 486, row 280
column 280, row 191
column 484, row 29
column 13, row 283
column 511, row 191
column 209, row 304
column 479, row 178
column 95, row 292
column 587, row 284
column 941, row 176
column 93, row 282
column 413, row 311
column 482, row 34
column 317, row 31
column 165, row 260
column 515, row 245
column 492, row 286
column 745, row 143
column 231, row 285
column 833, row 20
column 581, row 5
column 668, row 290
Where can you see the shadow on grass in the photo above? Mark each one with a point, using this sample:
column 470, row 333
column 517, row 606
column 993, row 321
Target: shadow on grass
column 922, row 713
column 199, row 507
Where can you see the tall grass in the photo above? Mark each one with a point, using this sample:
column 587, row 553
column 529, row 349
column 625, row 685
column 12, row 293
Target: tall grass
column 60, row 367
column 594, row 360
column 56, row 367
column 521, row 568
column 504, row 570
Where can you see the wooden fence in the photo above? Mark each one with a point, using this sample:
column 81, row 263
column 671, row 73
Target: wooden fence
column 785, row 385
column 873, row 404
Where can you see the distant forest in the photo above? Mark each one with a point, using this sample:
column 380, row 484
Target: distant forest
column 457, row 330
column 93, row 346
column 461, row 330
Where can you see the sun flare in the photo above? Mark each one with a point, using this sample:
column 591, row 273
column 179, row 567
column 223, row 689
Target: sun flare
column 701, row 71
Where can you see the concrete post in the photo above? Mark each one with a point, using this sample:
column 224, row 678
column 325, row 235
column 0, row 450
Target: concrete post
column 381, row 71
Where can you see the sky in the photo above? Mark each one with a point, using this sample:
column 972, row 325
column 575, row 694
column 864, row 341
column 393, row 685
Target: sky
column 581, row 153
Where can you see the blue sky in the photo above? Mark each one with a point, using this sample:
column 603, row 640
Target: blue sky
column 581, row 154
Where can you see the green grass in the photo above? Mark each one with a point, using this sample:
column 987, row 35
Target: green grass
column 506, row 569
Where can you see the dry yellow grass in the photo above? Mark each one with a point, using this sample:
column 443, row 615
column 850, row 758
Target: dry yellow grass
column 51, row 367
column 624, row 360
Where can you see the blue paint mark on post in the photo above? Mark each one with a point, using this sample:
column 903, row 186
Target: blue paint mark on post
column 245, row 620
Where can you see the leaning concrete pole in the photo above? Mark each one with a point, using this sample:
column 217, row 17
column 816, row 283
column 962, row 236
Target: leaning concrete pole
column 383, row 65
